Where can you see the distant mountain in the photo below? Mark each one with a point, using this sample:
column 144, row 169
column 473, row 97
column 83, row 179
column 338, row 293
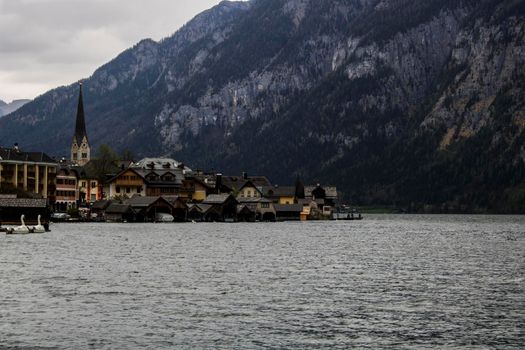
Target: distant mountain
column 6, row 108
column 418, row 104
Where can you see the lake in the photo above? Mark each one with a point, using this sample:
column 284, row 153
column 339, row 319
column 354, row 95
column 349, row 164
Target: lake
column 387, row 282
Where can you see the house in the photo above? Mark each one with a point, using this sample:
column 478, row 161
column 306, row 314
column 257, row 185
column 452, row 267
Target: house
column 242, row 185
column 281, row 195
column 67, row 193
column 262, row 207
column 127, row 183
column 148, row 207
column 92, row 178
column 223, row 207
column 195, row 189
column 246, row 213
column 288, row 212
column 98, row 209
column 204, row 212
column 33, row 172
column 327, row 193
column 117, row 212
column 162, row 176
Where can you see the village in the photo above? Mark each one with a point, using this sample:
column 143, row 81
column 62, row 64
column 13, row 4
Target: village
column 86, row 188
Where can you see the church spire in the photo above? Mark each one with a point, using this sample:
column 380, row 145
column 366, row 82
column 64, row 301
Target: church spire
column 80, row 149
column 80, row 127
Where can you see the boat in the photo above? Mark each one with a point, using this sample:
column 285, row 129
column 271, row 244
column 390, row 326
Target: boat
column 22, row 229
column 39, row 228
column 344, row 213
column 164, row 217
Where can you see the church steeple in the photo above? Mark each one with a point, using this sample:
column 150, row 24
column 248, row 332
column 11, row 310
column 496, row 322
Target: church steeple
column 80, row 127
column 80, row 149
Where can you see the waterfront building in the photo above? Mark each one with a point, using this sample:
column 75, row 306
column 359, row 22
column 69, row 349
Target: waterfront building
column 281, row 195
column 263, row 208
column 195, row 189
column 243, row 185
column 223, row 207
column 162, row 176
column 80, row 148
column 33, row 172
column 67, row 189
column 127, row 183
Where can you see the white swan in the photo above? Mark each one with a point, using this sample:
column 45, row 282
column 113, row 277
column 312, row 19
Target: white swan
column 22, row 228
column 39, row 228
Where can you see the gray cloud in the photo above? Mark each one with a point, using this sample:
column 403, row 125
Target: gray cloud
column 48, row 43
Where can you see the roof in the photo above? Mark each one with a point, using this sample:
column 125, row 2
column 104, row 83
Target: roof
column 159, row 164
column 12, row 154
column 178, row 173
column 118, row 208
column 91, row 169
column 123, row 171
column 101, row 205
column 246, row 209
column 217, row 198
column 253, row 200
column 280, row 191
column 140, row 201
column 80, row 124
column 331, row 192
column 288, row 207
column 22, row 203
column 239, row 182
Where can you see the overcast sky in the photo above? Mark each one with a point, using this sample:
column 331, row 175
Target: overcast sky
column 48, row 43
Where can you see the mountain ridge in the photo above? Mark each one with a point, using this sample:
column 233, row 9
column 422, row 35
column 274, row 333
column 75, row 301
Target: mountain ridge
column 397, row 102
column 7, row 108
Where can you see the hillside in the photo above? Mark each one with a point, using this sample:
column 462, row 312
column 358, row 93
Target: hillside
column 397, row 102
column 6, row 108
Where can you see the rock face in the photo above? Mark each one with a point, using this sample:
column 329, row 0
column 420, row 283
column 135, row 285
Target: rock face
column 6, row 108
column 399, row 102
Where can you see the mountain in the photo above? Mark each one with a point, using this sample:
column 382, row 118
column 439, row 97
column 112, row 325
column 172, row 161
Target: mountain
column 418, row 104
column 6, row 108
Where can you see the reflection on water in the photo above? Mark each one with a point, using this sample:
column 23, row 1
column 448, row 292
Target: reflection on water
column 383, row 283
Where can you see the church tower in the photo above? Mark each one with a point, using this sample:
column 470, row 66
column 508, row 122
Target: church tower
column 80, row 150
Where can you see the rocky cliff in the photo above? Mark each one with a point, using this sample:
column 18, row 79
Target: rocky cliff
column 399, row 102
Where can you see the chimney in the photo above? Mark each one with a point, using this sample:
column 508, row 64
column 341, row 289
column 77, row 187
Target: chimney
column 17, row 149
column 218, row 183
column 245, row 176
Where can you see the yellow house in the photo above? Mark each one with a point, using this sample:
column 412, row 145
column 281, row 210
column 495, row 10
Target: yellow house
column 284, row 195
column 195, row 189
column 249, row 190
column 126, row 183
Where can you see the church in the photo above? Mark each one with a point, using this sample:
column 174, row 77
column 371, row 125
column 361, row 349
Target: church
column 80, row 149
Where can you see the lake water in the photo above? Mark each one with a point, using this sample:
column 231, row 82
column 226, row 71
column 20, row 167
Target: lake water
column 387, row 282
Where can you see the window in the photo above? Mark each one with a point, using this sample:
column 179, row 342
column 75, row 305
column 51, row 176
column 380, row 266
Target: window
column 93, row 184
column 74, row 156
column 84, row 155
column 118, row 189
column 265, row 205
column 128, row 190
column 139, row 189
column 83, row 184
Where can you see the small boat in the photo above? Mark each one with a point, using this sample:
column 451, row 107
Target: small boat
column 39, row 228
column 22, row 229
column 164, row 217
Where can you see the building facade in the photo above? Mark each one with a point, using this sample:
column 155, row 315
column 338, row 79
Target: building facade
column 33, row 172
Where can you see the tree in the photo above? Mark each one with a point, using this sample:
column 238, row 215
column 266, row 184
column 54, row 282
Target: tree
column 104, row 162
column 127, row 155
